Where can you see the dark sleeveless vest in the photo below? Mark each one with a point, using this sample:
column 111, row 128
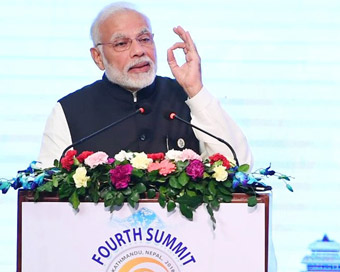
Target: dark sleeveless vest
column 97, row 105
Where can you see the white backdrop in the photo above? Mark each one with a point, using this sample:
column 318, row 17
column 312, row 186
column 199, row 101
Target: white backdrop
column 275, row 65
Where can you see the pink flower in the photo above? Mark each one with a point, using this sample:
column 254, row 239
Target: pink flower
column 154, row 166
column 195, row 169
column 110, row 160
column 188, row 154
column 96, row 159
column 121, row 175
column 166, row 167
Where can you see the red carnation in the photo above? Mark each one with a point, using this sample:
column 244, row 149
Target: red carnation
column 81, row 158
column 219, row 157
column 67, row 161
column 156, row 156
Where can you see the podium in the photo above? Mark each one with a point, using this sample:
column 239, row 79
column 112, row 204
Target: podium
column 52, row 237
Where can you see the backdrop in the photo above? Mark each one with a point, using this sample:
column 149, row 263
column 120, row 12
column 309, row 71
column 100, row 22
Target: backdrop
column 274, row 65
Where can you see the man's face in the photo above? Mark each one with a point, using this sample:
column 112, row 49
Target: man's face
column 134, row 68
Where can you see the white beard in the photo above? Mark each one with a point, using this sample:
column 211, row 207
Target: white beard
column 133, row 82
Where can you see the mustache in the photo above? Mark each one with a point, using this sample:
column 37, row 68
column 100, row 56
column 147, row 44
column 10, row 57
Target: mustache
column 139, row 61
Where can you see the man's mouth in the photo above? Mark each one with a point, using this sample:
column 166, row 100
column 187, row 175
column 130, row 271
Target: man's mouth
column 141, row 67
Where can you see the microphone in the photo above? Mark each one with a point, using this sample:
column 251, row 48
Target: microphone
column 143, row 109
column 173, row 116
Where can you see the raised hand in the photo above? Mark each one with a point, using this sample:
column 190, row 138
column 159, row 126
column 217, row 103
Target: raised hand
column 189, row 74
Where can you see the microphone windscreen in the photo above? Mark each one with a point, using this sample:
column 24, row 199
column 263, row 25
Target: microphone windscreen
column 168, row 114
column 145, row 106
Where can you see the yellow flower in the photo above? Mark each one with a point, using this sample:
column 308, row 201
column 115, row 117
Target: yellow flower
column 221, row 173
column 140, row 161
column 80, row 178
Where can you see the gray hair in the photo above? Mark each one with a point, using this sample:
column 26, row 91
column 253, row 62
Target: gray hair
column 105, row 13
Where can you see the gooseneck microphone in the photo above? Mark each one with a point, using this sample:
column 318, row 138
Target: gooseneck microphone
column 144, row 109
column 173, row 116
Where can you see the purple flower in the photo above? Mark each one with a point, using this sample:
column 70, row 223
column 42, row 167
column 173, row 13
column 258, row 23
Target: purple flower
column 240, row 178
column 195, row 169
column 121, row 175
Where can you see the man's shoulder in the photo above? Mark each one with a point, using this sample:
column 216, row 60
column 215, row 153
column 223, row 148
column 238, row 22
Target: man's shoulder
column 166, row 80
column 168, row 84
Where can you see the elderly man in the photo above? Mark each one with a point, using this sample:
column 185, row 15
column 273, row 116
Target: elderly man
column 124, row 48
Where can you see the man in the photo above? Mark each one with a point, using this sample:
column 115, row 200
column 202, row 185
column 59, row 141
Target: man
column 125, row 50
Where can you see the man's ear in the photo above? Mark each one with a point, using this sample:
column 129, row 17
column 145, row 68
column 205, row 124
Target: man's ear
column 97, row 58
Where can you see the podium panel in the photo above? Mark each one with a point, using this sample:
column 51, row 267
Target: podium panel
column 53, row 237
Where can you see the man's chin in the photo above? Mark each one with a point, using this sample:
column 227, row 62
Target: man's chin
column 140, row 82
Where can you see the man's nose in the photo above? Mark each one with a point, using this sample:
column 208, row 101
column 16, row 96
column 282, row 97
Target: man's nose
column 136, row 49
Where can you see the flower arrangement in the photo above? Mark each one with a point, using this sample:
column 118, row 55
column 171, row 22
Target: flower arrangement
column 177, row 178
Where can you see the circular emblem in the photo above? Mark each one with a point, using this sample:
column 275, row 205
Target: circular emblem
column 143, row 258
column 180, row 143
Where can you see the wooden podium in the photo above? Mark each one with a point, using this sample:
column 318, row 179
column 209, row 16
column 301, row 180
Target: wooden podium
column 53, row 237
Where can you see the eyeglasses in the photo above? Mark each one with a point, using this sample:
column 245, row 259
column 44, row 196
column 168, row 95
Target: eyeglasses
column 124, row 43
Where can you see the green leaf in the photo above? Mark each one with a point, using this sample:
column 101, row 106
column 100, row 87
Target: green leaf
column 140, row 187
column 56, row 163
column 223, row 190
column 132, row 203
column 152, row 176
column 162, row 200
column 252, row 201
column 119, row 200
column 174, row 183
column 55, row 181
column 228, row 184
column 199, row 187
column 74, row 200
column 151, row 193
column 191, row 193
column 226, row 198
column 127, row 191
column 171, row 192
column 181, row 165
column 207, row 198
column 108, row 202
column 163, row 189
column 134, row 196
column 243, row 168
column 186, row 211
column 171, row 205
column 66, row 190
column 47, row 187
column 211, row 213
column 183, row 179
column 137, row 172
column 212, row 188
column 191, row 201
column 94, row 195
column 215, row 204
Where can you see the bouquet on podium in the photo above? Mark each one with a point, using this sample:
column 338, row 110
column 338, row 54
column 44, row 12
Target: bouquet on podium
column 177, row 178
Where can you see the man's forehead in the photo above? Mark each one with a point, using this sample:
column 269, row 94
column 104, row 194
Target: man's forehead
column 122, row 34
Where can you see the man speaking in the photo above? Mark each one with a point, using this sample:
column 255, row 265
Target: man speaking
column 124, row 48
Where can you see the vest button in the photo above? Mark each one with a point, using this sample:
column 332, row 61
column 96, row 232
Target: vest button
column 142, row 137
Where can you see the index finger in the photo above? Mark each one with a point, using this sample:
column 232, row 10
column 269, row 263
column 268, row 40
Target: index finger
column 185, row 36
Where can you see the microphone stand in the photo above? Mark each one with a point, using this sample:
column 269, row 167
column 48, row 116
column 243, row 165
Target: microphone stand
column 174, row 115
column 140, row 110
